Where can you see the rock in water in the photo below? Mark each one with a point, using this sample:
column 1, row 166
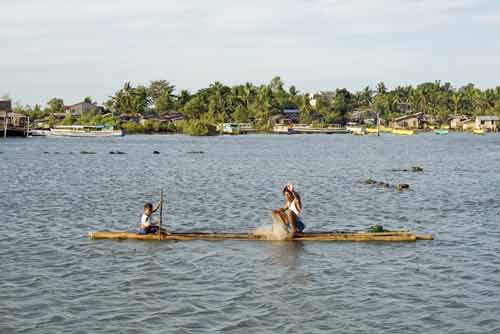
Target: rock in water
column 156, row 152
column 416, row 169
column 402, row 186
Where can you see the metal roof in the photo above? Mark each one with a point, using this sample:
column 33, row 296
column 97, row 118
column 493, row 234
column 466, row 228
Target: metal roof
column 488, row 118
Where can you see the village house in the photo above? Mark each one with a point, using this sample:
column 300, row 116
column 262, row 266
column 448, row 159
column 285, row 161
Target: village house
column 487, row 123
column 412, row 121
column 172, row 116
column 293, row 114
column 362, row 115
column 468, row 124
column 11, row 123
column 83, row 107
column 456, row 122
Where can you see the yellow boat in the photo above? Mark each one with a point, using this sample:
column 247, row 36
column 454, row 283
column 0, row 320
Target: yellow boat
column 404, row 132
column 384, row 129
column 478, row 131
column 388, row 236
column 371, row 130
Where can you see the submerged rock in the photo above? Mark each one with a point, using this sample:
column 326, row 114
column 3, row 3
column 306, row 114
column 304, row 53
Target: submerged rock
column 402, row 186
column 382, row 184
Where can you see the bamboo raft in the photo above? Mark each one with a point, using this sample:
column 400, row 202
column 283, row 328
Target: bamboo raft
column 387, row 236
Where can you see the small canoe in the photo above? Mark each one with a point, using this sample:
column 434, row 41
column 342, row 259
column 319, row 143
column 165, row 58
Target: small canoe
column 441, row 132
column 478, row 131
column 389, row 236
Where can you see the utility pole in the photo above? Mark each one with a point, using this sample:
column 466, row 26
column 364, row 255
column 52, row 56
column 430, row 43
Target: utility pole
column 378, row 124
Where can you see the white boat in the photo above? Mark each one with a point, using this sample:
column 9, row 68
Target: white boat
column 84, row 131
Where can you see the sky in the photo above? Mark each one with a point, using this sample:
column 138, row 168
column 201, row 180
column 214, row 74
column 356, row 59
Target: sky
column 72, row 49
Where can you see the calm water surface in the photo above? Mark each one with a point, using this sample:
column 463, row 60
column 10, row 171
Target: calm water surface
column 53, row 279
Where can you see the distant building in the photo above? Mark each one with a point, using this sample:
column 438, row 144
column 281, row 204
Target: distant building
column 172, row 116
column 488, row 123
column 5, row 106
column 125, row 117
column 13, row 124
column 456, row 122
column 412, row 121
column 293, row 114
column 83, row 107
column 362, row 115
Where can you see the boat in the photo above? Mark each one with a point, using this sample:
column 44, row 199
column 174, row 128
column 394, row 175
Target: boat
column 230, row 128
column 357, row 130
column 360, row 236
column 84, row 131
column 404, row 132
column 441, row 132
column 478, row 131
column 371, row 130
column 283, row 129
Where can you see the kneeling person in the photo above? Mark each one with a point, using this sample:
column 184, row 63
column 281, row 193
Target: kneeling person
column 147, row 225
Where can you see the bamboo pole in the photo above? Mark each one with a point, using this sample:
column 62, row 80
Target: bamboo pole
column 161, row 213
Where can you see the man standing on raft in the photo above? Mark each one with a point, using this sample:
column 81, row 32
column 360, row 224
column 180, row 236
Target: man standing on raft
column 289, row 214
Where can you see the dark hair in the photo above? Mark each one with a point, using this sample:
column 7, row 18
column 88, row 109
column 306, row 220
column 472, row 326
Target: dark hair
column 148, row 206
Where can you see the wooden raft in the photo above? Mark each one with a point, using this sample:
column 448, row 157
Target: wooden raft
column 390, row 236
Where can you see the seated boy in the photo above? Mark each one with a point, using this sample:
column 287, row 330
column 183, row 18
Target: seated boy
column 147, row 226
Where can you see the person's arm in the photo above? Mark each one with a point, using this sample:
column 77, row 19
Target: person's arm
column 157, row 207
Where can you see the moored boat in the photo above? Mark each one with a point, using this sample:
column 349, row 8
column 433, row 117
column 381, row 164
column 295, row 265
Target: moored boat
column 478, row 131
column 404, row 132
column 84, row 131
column 441, row 132
column 389, row 236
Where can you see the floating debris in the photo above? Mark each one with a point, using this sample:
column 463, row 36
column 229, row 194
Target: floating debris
column 117, row 152
column 87, row 152
column 376, row 229
column 382, row 184
column 156, row 152
column 195, row 152
column 414, row 169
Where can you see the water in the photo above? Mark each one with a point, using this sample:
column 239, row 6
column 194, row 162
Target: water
column 53, row 279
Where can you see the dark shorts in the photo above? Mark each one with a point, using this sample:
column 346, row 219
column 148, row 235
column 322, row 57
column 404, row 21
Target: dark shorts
column 152, row 229
column 300, row 225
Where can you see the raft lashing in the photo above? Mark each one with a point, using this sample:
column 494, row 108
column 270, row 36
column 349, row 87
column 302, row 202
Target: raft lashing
column 360, row 236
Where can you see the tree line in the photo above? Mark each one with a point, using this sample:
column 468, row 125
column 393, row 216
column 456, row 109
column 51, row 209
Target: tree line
column 248, row 102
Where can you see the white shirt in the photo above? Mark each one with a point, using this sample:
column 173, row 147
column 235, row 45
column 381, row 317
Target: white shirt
column 145, row 220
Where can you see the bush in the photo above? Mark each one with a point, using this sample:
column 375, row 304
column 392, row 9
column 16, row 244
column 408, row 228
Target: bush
column 197, row 128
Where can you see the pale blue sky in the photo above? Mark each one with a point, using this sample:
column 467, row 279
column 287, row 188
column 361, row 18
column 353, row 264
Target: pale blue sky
column 71, row 49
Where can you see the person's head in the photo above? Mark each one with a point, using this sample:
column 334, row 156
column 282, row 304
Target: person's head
column 148, row 208
column 288, row 194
